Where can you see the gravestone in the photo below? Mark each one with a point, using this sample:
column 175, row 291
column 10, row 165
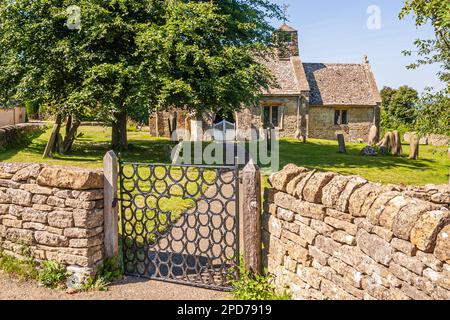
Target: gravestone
column 414, row 146
column 373, row 136
column 385, row 143
column 341, row 141
column 396, row 147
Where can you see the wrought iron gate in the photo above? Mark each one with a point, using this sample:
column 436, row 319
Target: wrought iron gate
column 180, row 223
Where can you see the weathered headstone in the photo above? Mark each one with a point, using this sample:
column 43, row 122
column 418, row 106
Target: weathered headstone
column 414, row 146
column 373, row 136
column 385, row 143
column 396, row 146
column 341, row 141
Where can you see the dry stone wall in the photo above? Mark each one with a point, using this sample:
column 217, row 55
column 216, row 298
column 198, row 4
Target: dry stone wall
column 328, row 236
column 10, row 135
column 56, row 213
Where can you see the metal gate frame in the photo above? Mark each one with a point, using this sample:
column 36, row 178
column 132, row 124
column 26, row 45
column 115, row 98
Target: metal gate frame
column 153, row 259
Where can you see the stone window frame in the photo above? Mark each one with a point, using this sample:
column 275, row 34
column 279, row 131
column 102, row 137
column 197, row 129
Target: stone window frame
column 281, row 107
column 341, row 110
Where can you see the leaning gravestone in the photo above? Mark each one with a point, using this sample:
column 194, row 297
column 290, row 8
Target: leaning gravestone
column 373, row 136
column 341, row 141
column 385, row 144
column 414, row 146
column 396, row 146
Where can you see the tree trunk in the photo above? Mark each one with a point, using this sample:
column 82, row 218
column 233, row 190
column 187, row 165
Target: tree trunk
column 119, row 132
column 53, row 137
column 71, row 132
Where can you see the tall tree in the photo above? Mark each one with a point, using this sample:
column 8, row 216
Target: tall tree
column 207, row 55
column 118, row 57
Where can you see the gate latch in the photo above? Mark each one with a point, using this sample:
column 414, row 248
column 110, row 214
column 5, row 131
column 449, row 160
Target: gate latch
column 114, row 202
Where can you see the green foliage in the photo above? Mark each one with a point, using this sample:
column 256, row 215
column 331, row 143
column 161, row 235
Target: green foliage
column 52, row 274
column 131, row 56
column 24, row 269
column 398, row 108
column 252, row 286
column 110, row 271
column 436, row 50
column 434, row 113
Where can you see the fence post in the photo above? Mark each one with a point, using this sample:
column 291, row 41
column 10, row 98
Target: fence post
column 111, row 210
column 251, row 211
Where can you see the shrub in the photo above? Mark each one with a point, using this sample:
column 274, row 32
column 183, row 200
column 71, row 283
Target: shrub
column 24, row 269
column 252, row 286
column 52, row 274
column 110, row 271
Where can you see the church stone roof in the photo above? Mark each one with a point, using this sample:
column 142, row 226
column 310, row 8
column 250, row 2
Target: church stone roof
column 286, row 28
column 289, row 76
column 341, row 84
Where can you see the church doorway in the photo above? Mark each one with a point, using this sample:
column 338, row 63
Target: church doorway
column 224, row 126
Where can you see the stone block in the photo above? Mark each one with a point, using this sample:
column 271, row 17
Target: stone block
column 285, row 215
column 60, row 219
column 50, row 239
column 30, row 171
column 56, row 202
column 332, row 191
column 20, row 197
column 348, row 227
column 319, row 255
column 298, row 192
column 427, row 228
column 36, row 189
column 80, row 204
column 79, row 233
column 309, row 210
column 359, row 197
column 343, row 237
column 375, row 247
column 93, row 218
column 33, row 215
column 389, row 214
column 411, row 263
column 88, row 195
column 442, row 250
column 339, row 215
column 327, row 245
column 280, row 180
column 404, row 246
column 408, row 216
column 20, row 236
column 378, row 206
column 354, row 184
column 430, row 261
column 70, row 178
column 39, row 199
column 322, row 228
column 313, row 189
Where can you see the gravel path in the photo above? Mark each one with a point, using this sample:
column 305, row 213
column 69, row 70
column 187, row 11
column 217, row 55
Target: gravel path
column 127, row 289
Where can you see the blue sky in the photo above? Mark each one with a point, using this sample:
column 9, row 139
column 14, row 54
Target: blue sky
column 336, row 31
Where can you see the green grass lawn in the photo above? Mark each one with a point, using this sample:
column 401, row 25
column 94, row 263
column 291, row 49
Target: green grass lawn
column 432, row 167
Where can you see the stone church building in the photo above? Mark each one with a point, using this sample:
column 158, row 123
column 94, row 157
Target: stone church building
column 310, row 100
